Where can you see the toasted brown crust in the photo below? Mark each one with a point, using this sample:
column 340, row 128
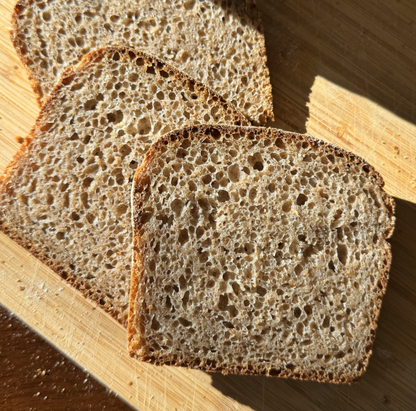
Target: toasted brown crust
column 67, row 76
column 139, row 184
column 21, row 5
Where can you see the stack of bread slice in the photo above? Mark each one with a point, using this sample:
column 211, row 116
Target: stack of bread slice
column 66, row 194
column 218, row 43
column 255, row 251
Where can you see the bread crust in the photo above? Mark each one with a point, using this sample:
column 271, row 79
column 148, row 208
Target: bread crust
column 139, row 184
column 18, row 9
column 243, row 6
column 67, row 76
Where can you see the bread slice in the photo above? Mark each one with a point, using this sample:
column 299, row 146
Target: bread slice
column 257, row 251
column 66, row 194
column 218, row 43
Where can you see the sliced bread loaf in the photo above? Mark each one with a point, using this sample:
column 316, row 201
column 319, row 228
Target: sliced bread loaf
column 218, row 43
column 257, row 251
column 66, row 194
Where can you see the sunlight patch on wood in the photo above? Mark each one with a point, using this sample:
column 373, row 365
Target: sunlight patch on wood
column 356, row 123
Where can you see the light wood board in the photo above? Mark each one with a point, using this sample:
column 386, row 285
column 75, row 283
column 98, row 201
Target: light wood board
column 344, row 71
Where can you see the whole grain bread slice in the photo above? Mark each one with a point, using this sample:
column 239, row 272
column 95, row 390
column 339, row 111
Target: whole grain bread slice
column 220, row 44
column 257, row 251
column 66, row 194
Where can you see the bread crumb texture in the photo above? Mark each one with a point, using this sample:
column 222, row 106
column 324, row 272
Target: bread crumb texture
column 66, row 194
column 257, row 252
column 219, row 43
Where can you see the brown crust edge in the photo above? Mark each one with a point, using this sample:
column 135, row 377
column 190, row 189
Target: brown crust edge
column 21, row 5
column 64, row 80
column 268, row 113
column 249, row 7
column 372, row 174
column 18, row 9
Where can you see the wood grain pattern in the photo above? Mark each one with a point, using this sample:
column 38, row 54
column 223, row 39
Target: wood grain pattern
column 344, row 71
column 35, row 376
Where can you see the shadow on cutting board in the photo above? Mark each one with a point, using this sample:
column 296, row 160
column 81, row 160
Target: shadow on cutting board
column 391, row 376
column 366, row 47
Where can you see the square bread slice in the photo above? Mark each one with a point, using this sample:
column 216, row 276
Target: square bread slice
column 66, row 194
column 257, row 251
column 218, row 43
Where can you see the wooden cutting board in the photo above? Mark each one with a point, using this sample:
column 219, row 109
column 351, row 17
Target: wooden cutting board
column 344, row 71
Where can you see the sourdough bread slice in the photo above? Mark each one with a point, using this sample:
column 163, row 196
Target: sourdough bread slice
column 218, row 43
column 257, row 251
column 66, row 194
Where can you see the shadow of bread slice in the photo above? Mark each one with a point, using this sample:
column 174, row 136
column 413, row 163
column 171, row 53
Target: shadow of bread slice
column 66, row 194
column 257, row 251
column 220, row 44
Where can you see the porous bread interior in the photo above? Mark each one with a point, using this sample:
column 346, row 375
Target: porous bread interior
column 220, row 44
column 66, row 195
column 257, row 252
